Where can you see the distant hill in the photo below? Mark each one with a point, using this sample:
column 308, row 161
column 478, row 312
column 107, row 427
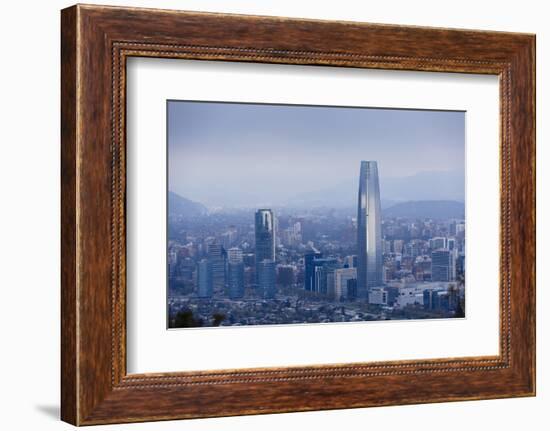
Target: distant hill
column 426, row 209
column 424, row 186
column 180, row 206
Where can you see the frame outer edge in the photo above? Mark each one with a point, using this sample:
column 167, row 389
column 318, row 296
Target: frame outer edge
column 69, row 411
column 523, row 216
column 528, row 61
column 533, row 53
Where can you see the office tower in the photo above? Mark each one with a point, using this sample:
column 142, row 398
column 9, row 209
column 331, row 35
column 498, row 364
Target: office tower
column 452, row 227
column 378, row 296
column 317, row 270
column 393, row 293
column 248, row 259
column 320, row 277
column 187, row 268
column 264, row 229
column 352, row 289
column 173, row 257
column 350, row 261
column 267, row 276
column 454, row 297
column 172, row 263
column 460, row 264
column 369, row 230
column 204, row 282
column 235, row 255
column 323, row 275
column 413, row 248
column 438, row 299
column 235, row 273
column 438, row 242
column 443, row 266
column 216, row 264
column 309, row 276
column 422, row 269
column 286, row 275
column 387, row 272
column 341, row 277
column 331, row 285
column 398, row 246
column 451, row 244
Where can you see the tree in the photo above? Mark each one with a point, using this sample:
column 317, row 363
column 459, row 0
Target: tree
column 185, row 319
column 459, row 312
column 217, row 319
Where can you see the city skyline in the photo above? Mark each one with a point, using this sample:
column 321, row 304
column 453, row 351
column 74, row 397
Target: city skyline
column 314, row 259
column 427, row 148
column 362, row 286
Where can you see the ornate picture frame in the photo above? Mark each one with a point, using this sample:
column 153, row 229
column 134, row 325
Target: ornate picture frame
column 96, row 41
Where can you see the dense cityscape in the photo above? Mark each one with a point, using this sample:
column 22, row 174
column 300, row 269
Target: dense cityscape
column 232, row 267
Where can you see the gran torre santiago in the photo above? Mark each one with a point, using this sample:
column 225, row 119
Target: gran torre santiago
column 369, row 230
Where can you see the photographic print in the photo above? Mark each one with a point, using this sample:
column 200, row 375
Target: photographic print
column 303, row 214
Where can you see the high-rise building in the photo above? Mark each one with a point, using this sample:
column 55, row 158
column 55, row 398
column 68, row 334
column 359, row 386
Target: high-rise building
column 341, row 277
column 234, row 255
column 267, row 278
column 235, row 273
column 216, row 255
column 460, row 264
column 438, row 242
column 451, row 243
column 323, row 270
column 443, row 265
column 398, row 246
column 264, row 230
column 439, row 299
column 369, row 230
column 248, row 259
column 204, row 282
column 309, row 268
column 452, row 227
column 321, row 274
column 350, row 261
column 286, row 275
column 378, row 296
column 413, row 248
column 352, row 289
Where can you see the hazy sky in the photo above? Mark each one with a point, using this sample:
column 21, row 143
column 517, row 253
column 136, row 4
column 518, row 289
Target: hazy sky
column 244, row 154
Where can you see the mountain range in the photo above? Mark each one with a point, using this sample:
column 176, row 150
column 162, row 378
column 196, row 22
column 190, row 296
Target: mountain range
column 426, row 209
column 424, row 186
column 180, row 206
column 436, row 209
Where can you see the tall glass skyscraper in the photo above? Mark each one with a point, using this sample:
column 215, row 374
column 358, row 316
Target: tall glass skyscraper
column 235, row 273
column 216, row 256
column 265, row 237
column 369, row 230
column 204, row 280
